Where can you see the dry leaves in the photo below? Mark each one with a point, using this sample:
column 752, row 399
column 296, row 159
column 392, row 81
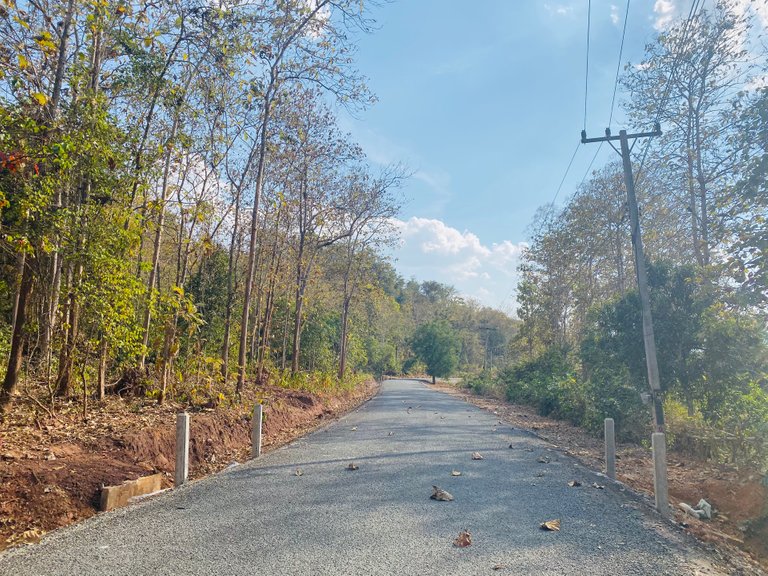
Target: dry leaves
column 499, row 566
column 551, row 525
column 455, row 473
column 477, row 456
column 299, row 472
column 463, row 540
column 352, row 466
column 574, row 483
column 543, row 460
column 598, row 486
column 440, row 494
column 353, row 428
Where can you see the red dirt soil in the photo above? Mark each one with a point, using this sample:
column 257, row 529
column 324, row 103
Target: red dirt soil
column 739, row 529
column 53, row 466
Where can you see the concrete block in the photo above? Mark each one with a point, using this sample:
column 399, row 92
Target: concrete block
column 117, row 496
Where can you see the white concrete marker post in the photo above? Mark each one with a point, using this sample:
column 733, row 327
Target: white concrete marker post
column 182, row 449
column 256, row 431
column 659, row 445
column 610, row 449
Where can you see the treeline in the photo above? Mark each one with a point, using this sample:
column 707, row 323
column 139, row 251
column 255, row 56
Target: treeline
column 703, row 193
column 181, row 214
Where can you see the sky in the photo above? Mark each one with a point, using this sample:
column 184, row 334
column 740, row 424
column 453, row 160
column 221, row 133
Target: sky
column 485, row 105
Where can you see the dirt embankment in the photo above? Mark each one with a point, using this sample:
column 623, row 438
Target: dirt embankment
column 53, row 465
column 739, row 530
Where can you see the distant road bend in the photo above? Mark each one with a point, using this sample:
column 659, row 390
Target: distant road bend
column 300, row 510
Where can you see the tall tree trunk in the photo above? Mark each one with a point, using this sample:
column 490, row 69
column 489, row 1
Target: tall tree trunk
column 17, row 336
column 344, row 336
column 158, row 241
column 233, row 252
column 249, row 277
column 102, row 381
column 297, row 327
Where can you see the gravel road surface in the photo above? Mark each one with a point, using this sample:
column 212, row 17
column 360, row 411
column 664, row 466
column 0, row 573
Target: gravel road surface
column 300, row 510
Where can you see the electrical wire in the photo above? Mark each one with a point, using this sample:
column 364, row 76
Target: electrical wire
column 692, row 15
column 618, row 65
column 586, row 74
column 567, row 170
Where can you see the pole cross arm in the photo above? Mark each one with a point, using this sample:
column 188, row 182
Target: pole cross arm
column 610, row 138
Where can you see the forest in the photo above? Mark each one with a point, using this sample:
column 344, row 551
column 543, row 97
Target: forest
column 703, row 193
column 183, row 218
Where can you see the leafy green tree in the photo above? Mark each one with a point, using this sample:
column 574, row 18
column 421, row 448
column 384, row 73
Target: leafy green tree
column 437, row 345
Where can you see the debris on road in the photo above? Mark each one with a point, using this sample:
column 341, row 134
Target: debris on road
column 352, row 466
column 543, row 460
column 440, row 494
column 455, row 473
column 551, row 525
column 463, row 540
column 299, row 472
column 574, row 483
column 477, row 456
column 598, row 486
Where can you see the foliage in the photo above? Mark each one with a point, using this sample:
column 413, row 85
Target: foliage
column 437, row 345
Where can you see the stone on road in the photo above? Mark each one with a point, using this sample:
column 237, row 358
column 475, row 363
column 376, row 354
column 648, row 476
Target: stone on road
column 264, row 518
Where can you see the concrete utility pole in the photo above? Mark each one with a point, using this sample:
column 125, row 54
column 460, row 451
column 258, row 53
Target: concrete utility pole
column 642, row 276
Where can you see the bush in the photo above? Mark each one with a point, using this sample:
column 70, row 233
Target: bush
column 548, row 383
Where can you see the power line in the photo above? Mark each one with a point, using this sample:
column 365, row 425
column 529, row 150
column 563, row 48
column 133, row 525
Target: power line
column 590, row 166
column 567, row 170
column 618, row 65
column 692, row 14
column 586, row 75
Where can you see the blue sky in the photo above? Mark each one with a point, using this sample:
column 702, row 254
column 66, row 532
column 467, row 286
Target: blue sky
column 485, row 103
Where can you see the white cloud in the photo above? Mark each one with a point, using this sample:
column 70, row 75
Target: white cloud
column 666, row 12
column 559, row 9
column 432, row 250
column 615, row 15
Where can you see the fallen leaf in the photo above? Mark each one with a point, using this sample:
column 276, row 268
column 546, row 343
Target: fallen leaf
column 551, row 525
column 440, row 494
column 352, row 466
column 391, row 434
column 455, row 473
column 464, row 539
column 499, row 566
column 353, row 428
column 598, row 486
column 299, row 472
column 511, row 446
column 574, row 483
column 543, row 460
column 476, row 456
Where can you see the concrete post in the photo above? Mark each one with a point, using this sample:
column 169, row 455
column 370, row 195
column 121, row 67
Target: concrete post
column 659, row 445
column 182, row 449
column 256, row 431
column 610, row 449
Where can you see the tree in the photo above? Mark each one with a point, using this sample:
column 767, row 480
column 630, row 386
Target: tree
column 437, row 345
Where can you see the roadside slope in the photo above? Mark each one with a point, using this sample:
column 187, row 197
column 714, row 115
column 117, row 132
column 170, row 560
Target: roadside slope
column 300, row 510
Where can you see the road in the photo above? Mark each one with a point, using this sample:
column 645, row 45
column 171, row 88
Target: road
column 265, row 518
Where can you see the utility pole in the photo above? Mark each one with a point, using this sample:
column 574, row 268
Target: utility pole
column 642, row 276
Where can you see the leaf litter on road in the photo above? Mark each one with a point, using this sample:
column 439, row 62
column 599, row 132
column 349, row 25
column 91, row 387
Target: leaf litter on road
column 551, row 525
column 574, row 483
column 477, row 456
column 455, row 473
column 352, row 466
column 440, row 495
column 463, row 540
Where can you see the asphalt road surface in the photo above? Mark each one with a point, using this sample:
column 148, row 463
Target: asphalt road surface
column 264, row 517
